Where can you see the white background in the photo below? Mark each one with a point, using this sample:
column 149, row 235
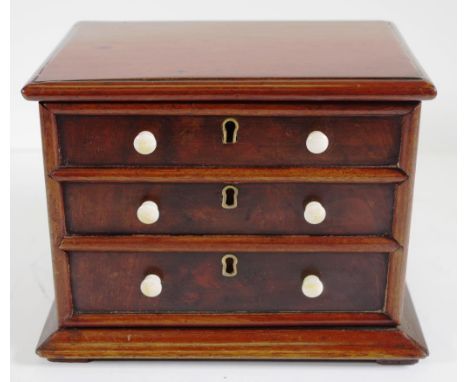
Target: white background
column 429, row 28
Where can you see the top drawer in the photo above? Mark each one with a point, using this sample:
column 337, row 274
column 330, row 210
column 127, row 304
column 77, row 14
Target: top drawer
column 230, row 140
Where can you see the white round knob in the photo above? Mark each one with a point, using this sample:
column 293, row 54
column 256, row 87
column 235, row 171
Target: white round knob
column 314, row 213
column 145, row 142
column 151, row 286
column 312, row 287
column 148, row 212
column 317, row 142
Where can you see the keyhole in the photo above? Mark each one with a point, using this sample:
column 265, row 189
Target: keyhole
column 229, row 197
column 229, row 263
column 230, row 128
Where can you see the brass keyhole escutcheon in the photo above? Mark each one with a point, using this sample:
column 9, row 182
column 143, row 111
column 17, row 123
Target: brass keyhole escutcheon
column 229, row 194
column 230, row 128
column 229, row 263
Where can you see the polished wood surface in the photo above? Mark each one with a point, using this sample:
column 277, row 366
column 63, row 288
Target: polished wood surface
column 402, row 214
column 356, row 82
column 110, row 208
column 197, row 141
column 157, row 50
column 184, row 175
column 398, row 344
column 387, row 177
column 230, row 319
column 238, row 243
column 193, row 282
column 228, row 175
column 56, row 215
column 260, row 244
column 257, row 109
column 251, row 60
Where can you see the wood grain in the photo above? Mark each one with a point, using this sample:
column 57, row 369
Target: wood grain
column 402, row 220
column 355, row 81
column 237, row 243
column 56, row 213
column 109, row 282
column 228, row 320
column 336, row 343
column 257, row 109
column 125, row 51
column 131, row 61
column 227, row 90
column 110, row 209
column 197, row 141
column 227, row 175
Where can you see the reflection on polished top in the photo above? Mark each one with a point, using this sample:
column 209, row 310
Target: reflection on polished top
column 324, row 59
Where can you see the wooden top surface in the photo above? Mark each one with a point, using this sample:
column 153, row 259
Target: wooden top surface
column 230, row 60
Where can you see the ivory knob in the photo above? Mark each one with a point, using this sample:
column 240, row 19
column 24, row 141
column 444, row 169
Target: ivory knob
column 317, row 142
column 151, row 286
column 312, row 286
column 148, row 212
column 145, row 143
column 314, row 213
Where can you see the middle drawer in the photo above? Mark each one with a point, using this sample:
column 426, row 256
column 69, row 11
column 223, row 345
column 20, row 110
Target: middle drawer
column 247, row 208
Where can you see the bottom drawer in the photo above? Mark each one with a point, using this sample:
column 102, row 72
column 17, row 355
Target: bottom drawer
column 216, row 282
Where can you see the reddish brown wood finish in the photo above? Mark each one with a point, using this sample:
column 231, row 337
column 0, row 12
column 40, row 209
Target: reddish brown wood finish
column 123, row 51
column 259, row 244
column 197, row 141
column 231, row 319
column 325, row 176
column 103, row 208
column 365, row 181
column 237, row 243
column 193, row 282
column 56, row 212
column 229, row 90
column 403, row 343
column 351, row 175
column 257, row 109
column 232, row 175
column 249, row 60
column 402, row 215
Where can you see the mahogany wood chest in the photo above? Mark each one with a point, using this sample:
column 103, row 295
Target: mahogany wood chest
column 230, row 190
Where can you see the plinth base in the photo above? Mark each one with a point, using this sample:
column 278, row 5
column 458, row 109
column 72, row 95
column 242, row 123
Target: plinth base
column 403, row 344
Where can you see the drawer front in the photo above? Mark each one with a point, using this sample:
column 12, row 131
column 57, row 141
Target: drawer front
column 198, row 141
column 194, row 282
column 115, row 208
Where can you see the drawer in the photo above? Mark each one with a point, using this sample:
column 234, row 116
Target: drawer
column 149, row 208
column 198, row 141
column 198, row 282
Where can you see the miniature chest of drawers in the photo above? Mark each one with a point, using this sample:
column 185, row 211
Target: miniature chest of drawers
column 230, row 191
